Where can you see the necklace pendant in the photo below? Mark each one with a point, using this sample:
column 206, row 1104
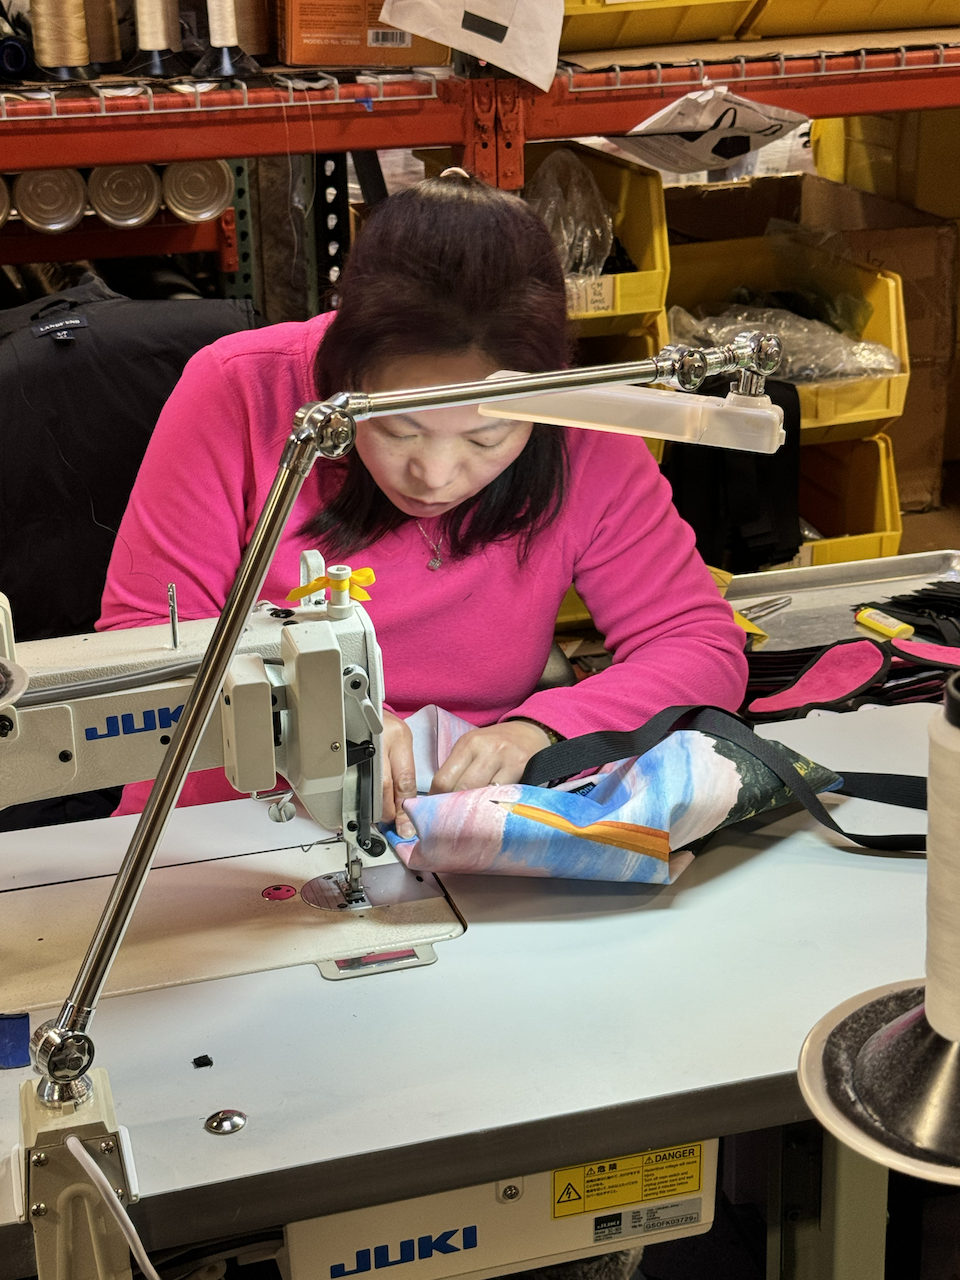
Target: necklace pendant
column 434, row 562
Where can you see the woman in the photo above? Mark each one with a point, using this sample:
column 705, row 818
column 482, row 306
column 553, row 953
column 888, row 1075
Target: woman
column 474, row 526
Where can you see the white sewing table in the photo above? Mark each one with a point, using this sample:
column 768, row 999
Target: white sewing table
column 571, row 1021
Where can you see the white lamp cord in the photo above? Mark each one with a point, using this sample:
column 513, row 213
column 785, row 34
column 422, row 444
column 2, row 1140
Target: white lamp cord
column 100, row 1181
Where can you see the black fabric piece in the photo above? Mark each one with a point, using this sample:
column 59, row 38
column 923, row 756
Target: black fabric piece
column 77, row 416
column 82, row 807
column 743, row 507
column 592, row 750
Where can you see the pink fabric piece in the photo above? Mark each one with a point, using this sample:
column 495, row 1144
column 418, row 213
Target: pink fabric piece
column 920, row 651
column 836, row 674
column 473, row 636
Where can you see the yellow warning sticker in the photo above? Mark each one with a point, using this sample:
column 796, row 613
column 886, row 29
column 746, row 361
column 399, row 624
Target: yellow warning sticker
column 648, row 1175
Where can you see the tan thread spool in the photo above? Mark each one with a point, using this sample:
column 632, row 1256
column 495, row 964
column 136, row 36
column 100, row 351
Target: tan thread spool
column 253, row 26
column 59, row 33
column 152, row 24
column 103, row 34
column 173, row 26
column 222, row 20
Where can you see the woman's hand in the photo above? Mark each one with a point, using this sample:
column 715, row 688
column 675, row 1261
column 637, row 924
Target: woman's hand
column 495, row 754
column 399, row 774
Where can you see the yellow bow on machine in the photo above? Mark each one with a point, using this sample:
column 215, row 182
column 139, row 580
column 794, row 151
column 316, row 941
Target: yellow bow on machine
column 359, row 579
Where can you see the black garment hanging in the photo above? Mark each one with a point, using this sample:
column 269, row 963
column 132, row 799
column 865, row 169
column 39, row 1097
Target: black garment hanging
column 83, row 377
column 743, row 507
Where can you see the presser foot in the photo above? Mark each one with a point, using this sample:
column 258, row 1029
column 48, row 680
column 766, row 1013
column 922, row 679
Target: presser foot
column 382, row 886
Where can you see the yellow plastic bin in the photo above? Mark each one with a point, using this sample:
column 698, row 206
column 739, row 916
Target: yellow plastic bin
column 617, row 303
column 627, row 301
column 705, row 276
column 598, row 24
column 812, row 17
column 848, row 492
column 618, row 348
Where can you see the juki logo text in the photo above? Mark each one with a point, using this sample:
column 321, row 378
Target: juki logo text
column 162, row 718
column 407, row 1251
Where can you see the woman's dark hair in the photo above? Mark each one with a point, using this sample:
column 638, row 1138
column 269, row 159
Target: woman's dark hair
column 444, row 267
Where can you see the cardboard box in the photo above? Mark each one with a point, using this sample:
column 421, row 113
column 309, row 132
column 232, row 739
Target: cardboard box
column 349, row 33
column 920, row 247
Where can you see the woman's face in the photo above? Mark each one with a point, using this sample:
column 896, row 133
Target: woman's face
column 428, row 463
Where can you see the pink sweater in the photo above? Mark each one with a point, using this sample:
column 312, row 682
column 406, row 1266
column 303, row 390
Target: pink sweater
column 473, row 636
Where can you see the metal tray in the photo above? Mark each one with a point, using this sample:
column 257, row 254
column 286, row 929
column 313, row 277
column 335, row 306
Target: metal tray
column 824, row 595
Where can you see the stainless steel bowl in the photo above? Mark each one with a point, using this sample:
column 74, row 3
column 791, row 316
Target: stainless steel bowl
column 198, row 190
column 124, row 195
column 50, row 200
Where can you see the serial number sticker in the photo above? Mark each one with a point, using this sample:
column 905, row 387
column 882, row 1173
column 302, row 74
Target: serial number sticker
column 672, row 1216
column 649, row 1175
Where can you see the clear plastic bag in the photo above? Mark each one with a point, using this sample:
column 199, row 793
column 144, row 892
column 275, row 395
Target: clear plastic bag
column 812, row 351
column 565, row 194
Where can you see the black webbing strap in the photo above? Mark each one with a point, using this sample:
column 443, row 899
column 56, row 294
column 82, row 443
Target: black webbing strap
column 592, row 750
column 903, row 789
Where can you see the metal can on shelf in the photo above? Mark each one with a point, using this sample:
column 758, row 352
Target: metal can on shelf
column 50, row 200
column 124, row 195
column 4, row 201
column 198, row 190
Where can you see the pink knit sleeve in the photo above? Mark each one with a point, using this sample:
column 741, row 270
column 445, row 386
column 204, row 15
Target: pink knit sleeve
column 185, row 523
column 673, row 638
column 186, row 519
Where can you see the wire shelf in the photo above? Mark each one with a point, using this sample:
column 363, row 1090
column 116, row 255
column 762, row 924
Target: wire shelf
column 773, row 69
column 303, row 90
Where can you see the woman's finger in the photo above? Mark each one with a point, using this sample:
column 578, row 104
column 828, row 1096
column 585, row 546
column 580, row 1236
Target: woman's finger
column 447, row 777
column 403, row 772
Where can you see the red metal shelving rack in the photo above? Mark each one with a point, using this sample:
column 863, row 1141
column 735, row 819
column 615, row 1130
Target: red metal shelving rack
column 859, row 82
column 86, row 126
column 487, row 120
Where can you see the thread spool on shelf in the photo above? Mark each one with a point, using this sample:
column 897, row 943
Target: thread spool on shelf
column 225, row 59
column 60, row 46
column 51, row 200
column 253, row 26
column 14, row 57
column 882, row 1072
column 103, row 32
column 158, row 41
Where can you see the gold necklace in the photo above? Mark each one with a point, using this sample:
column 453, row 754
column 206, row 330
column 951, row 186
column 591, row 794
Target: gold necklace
column 436, row 560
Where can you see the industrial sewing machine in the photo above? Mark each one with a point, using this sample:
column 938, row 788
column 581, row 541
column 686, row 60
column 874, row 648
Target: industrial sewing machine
column 264, row 690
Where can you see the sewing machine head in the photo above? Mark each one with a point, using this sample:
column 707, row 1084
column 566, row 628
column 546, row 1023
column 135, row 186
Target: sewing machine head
column 303, row 698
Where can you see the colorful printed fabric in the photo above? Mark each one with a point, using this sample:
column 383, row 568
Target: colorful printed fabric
column 632, row 821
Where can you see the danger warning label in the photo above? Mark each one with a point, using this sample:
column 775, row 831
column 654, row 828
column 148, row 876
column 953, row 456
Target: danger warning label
column 648, row 1175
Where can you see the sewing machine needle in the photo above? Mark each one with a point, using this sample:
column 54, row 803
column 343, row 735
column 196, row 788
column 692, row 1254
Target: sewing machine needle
column 174, row 617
